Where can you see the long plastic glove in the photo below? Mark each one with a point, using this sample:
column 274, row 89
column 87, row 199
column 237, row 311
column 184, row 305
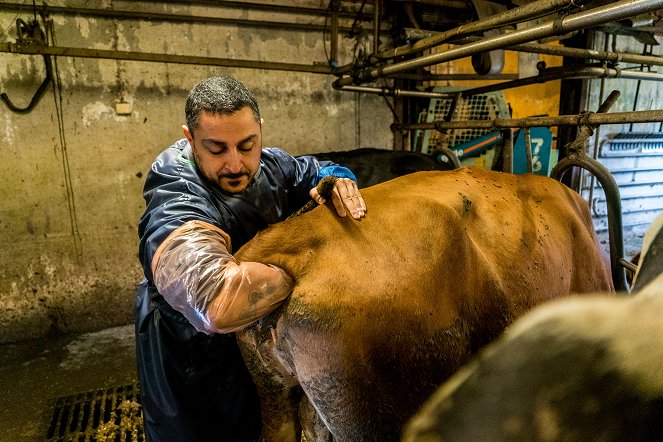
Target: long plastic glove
column 196, row 274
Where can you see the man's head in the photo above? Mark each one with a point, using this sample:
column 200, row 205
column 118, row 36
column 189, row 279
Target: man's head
column 223, row 126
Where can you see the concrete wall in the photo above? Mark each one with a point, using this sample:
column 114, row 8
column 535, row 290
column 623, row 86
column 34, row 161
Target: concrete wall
column 73, row 169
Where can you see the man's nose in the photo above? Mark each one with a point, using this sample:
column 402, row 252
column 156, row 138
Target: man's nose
column 234, row 163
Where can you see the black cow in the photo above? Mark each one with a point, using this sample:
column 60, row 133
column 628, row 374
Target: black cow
column 372, row 166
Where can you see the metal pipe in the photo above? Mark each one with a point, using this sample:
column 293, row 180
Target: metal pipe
column 520, row 13
column 507, row 150
column 577, row 157
column 566, row 73
column 376, row 25
column 161, row 58
column 528, row 149
column 115, row 13
column 598, row 129
column 394, row 92
column 613, row 57
column 649, row 116
column 299, row 10
column 613, row 204
column 296, row 10
column 456, row 77
column 333, row 56
column 604, row 14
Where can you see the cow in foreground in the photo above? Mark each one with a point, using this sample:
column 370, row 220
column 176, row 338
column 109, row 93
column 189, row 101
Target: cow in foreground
column 577, row 369
column 387, row 308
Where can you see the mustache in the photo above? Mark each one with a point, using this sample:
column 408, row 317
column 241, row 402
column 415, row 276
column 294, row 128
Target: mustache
column 233, row 176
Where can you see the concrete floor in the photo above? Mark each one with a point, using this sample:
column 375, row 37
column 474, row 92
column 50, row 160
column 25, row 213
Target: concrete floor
column 34, row 374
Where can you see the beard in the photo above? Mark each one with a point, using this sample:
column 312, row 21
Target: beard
column 229, row 182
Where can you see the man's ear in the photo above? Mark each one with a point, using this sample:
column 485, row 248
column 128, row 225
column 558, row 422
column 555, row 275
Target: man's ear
column 187, row 133
column 262, row 121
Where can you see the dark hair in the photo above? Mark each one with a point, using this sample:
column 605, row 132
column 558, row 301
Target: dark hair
column 218, row 95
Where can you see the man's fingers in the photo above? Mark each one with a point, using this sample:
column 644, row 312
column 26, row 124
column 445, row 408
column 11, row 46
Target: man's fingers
column 345, row 198
column 315, row 196
column 350, row 198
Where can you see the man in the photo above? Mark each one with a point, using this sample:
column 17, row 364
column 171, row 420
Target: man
column 206, row 196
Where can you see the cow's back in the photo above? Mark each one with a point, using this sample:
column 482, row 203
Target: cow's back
column 386, row 308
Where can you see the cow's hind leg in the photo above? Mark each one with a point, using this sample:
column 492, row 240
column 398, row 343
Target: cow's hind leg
column 280, row 393
column 313, row 427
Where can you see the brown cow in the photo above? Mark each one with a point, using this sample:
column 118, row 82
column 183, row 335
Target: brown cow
column 577, row 369
column 386, row 308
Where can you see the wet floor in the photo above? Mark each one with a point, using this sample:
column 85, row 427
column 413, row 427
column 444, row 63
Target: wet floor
column 34, row 374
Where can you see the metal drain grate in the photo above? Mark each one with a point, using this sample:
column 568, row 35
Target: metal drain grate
column 107, row 415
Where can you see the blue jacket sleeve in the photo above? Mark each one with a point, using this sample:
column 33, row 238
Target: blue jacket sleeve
column 337, row 171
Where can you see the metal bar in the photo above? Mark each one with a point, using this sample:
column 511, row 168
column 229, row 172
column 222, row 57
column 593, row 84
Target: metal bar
column 649, row 155
column 649, row 116
column 613, row 204
column 161, row 58
column 376, row 25
column 528, row 149
column 395, row 92
column 114, row 13
column 566, row 73
column 634, row 170
column 299, row 10
column 604, row 14
column 636, row 140
column 520, row 13
column 613, row 57
column 456, row 77
column 595, row 153
column 333, row 56
column 507, row 150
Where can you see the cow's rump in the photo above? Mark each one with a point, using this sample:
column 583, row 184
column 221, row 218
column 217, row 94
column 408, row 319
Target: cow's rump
column 386, row 308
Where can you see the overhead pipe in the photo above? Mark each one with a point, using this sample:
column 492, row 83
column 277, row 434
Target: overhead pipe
column 604, row 14
column 161, row 58
column 428, row 39
column 563, row 51
column 299, row 10
column 649, row 116
column 157, row 16
column 395, row 92
column 566, row 73
column 510, row 16
column 296, row 10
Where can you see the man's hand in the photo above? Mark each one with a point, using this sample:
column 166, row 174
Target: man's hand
column 345, row 197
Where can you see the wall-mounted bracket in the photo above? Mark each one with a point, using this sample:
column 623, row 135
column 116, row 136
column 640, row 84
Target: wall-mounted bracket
column 30, row 34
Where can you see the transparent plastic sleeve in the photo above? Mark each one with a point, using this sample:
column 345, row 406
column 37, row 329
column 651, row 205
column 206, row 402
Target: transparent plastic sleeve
column 196, row 274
